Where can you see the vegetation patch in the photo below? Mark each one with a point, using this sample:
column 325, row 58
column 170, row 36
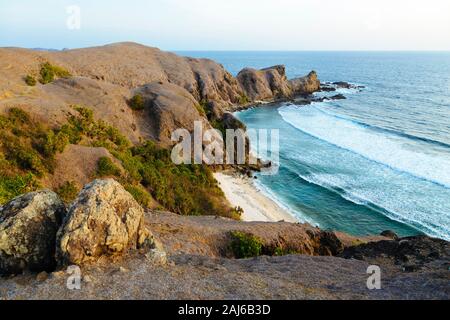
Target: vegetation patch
column 68, row 191
column 50, row 72
column 30, row 80
column 243, row 99
column 202, row 108
column 282, row 251
column 137, row 102
column 139, row 194
column 12, row 186
column 245, row 245
column 106, row 167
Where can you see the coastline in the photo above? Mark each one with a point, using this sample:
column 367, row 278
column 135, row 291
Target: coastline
column 240, row 191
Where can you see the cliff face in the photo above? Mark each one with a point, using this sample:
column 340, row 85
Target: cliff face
column 272, row 83
column 305, row 85
column 269, row 83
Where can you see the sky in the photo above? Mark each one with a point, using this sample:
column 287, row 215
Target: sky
column 229, row 24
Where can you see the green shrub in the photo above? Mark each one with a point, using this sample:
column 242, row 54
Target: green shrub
column 30, row 80
column 137, row 102
column 55, row 142
column 19, row 117
column 68, row 191
column 106, row 167
column 139, row 194
column 13, row 186
column 243, row 99
column 49, row 72
column 27, row 146
column 245, row 245
column 237, row 212
column 281, row 251
column 202, row 107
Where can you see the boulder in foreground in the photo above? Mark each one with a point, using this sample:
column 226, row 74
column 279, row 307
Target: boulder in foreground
column 103, row 220
column 28, row 227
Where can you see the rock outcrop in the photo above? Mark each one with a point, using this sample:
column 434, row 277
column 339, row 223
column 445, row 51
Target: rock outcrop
column 170, row 107
column 265, row 84
column 410, row 253
column 305, row 85
column 28, row 226
column 272, row 83
column 103, row 220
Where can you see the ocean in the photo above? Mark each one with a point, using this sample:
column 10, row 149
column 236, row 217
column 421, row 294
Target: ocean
column 379, row 159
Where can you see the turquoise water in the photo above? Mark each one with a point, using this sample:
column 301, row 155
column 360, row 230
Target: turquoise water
column 379, row 159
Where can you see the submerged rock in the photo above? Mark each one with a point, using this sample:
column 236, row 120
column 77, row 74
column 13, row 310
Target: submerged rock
column 389, row 234
column 343, row 84
column 339, row 96
column 28, row 226
column 103, row 220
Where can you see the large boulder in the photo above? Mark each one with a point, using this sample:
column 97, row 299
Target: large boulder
column 305, row 85
column 28, row 227
column 170, row 107
column 103, row 220
column 264, row 84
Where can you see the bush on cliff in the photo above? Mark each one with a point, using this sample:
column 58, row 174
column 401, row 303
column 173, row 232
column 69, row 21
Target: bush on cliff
column 30, row 80
column 106, row 167
column 137, row 102
column 245, row 245
column 12, row 186
column 49, row 72
column 22, row 144
column 68, row 191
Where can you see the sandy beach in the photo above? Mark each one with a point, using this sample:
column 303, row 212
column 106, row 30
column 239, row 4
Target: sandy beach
column 241, row 192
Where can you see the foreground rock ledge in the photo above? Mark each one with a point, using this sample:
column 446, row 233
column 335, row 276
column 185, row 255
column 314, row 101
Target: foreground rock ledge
column 28, row 227
column 103, row 220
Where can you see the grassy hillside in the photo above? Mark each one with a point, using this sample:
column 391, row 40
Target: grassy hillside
column 28, row 149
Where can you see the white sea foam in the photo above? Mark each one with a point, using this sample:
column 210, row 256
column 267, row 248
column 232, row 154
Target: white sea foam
column 396, row 152
column 391, row 201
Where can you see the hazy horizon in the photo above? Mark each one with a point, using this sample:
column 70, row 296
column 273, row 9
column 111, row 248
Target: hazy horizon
column 201, row 25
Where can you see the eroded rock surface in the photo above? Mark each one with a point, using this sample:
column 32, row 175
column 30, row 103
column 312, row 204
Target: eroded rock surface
column 28, row 226
column 410, row 253
column 305, row 85
column 103, row 220
column 264, row 84
column 170, row 107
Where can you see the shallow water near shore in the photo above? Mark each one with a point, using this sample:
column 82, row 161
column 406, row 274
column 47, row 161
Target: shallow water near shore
column 379, row 159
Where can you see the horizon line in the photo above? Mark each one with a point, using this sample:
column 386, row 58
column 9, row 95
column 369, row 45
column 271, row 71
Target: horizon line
column 244, row 50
